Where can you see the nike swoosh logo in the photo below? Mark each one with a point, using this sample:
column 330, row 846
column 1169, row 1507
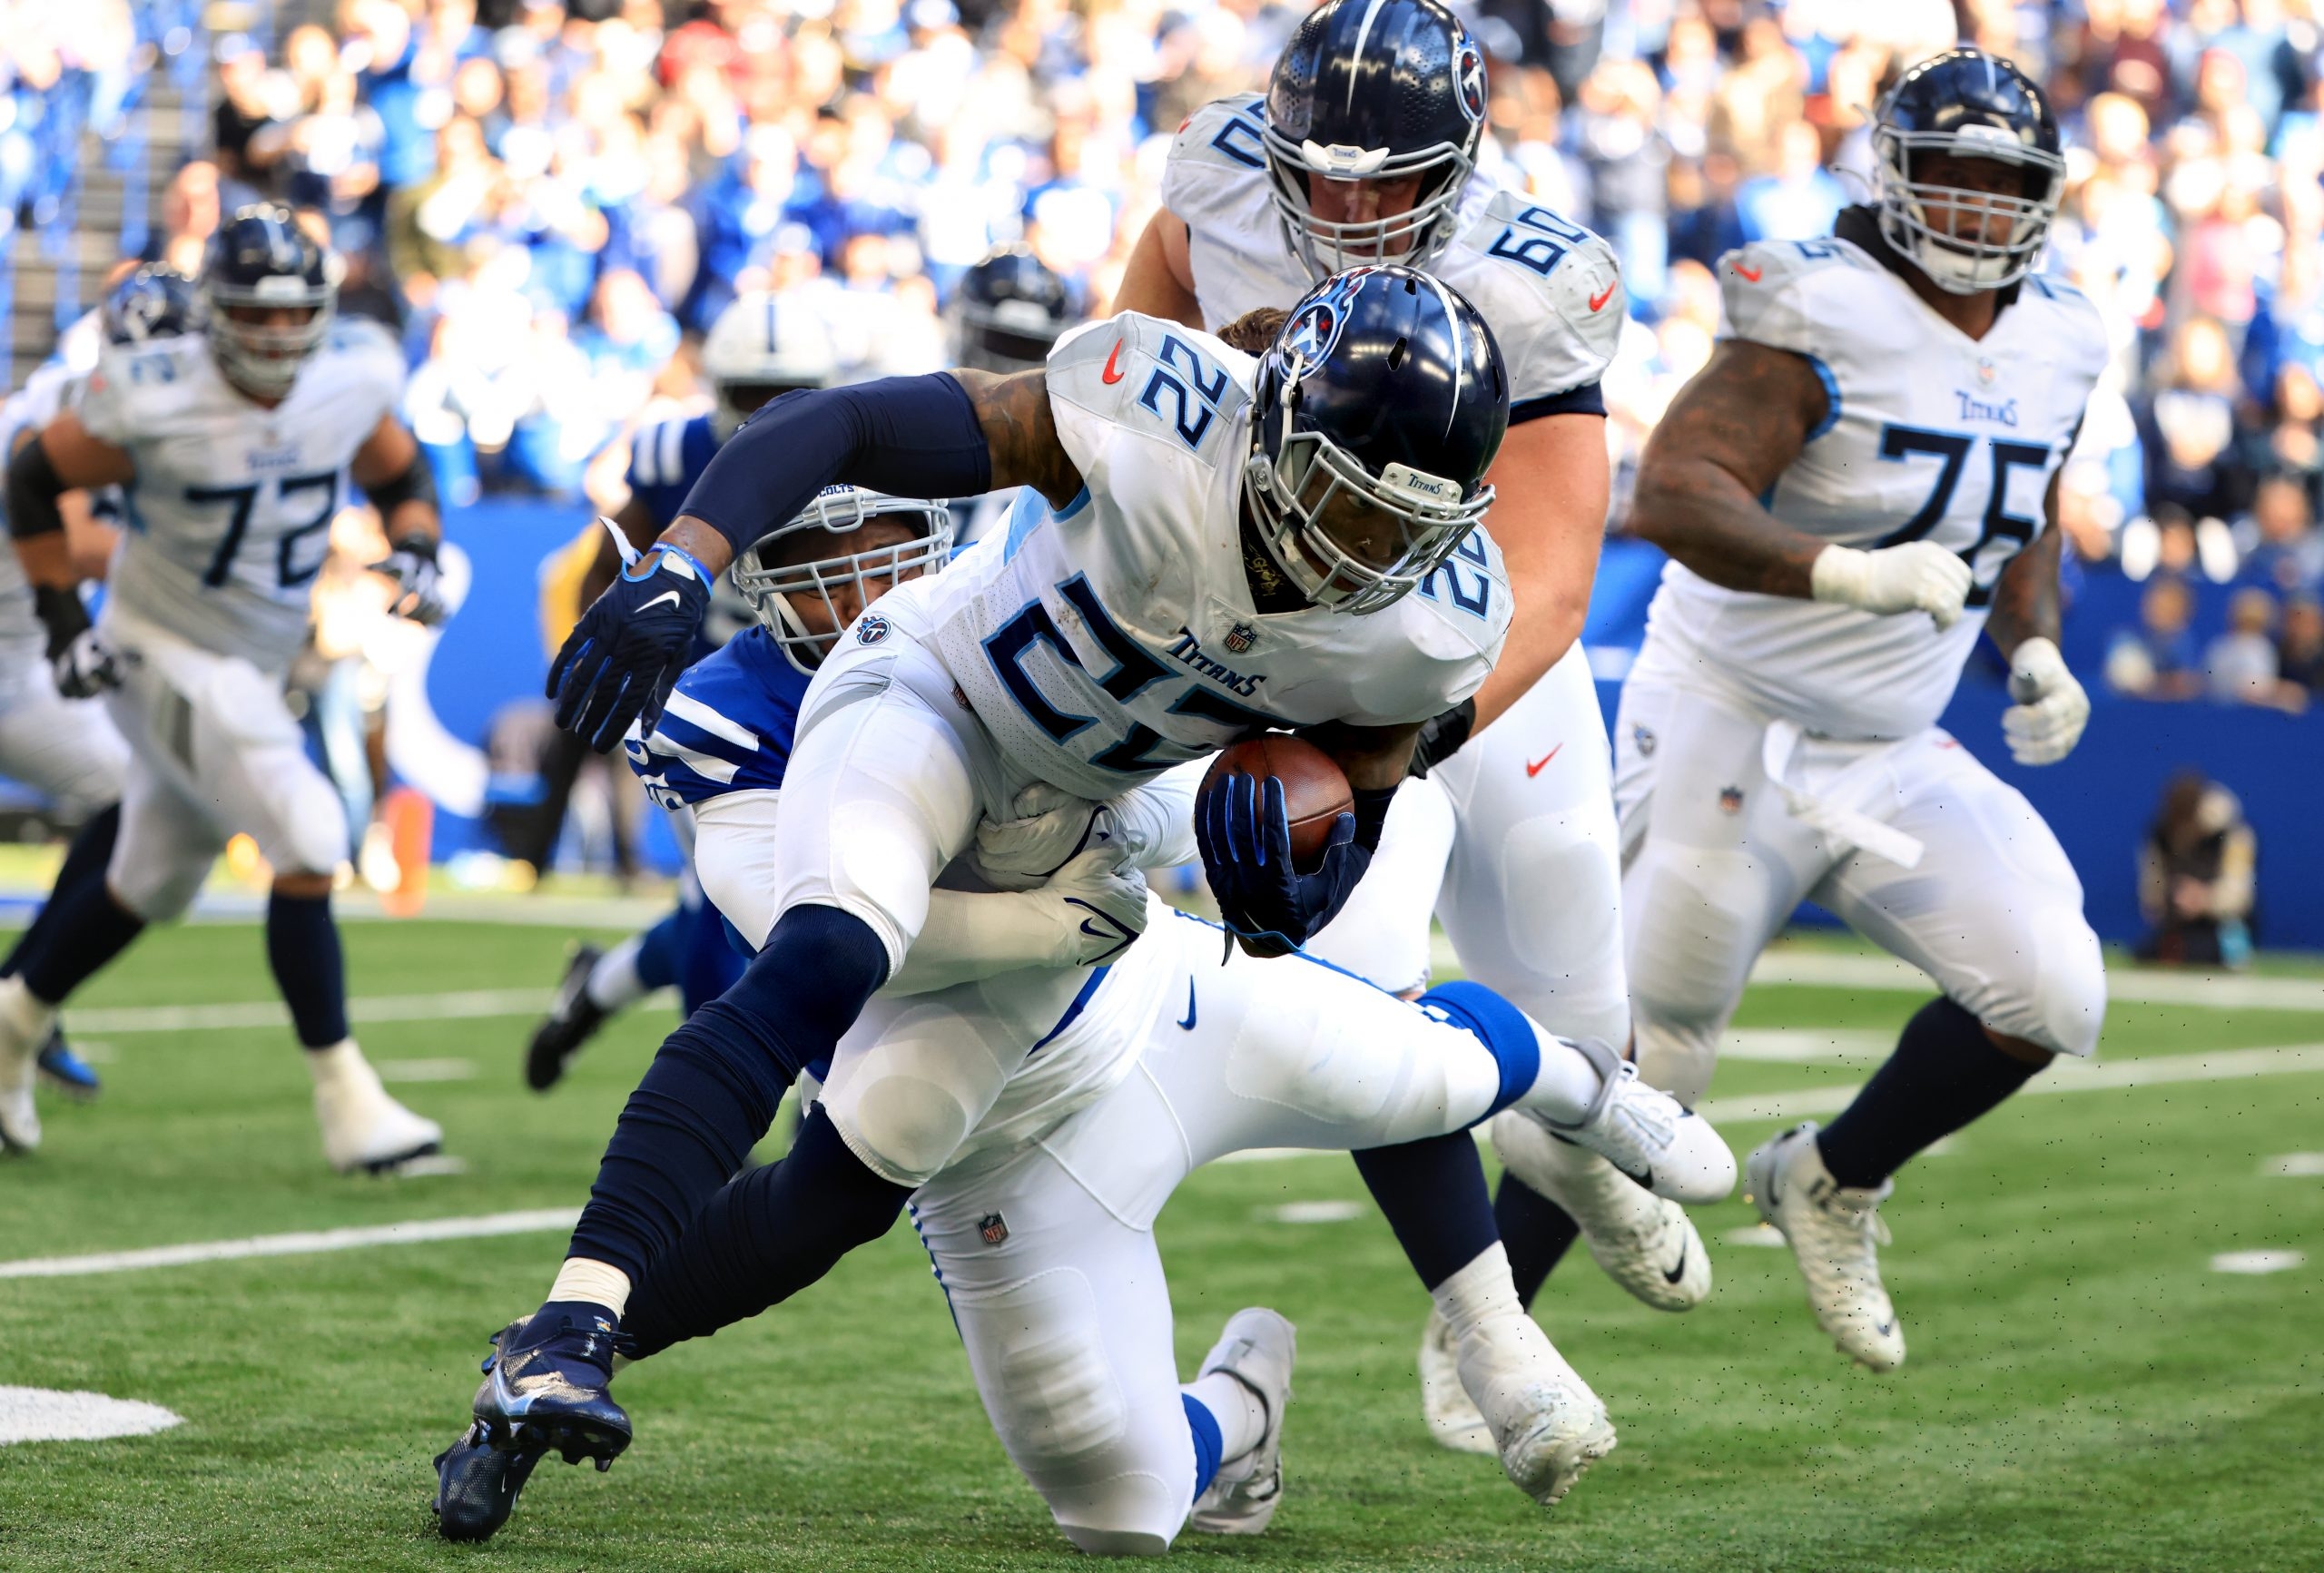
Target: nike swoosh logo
column 1536, row 767
column 1883, row 1328
column 1112, row 373
column 1189, row 1024
column 1672, row 1274
column 669, row 595
column 1750, row 273
column 1598, row 301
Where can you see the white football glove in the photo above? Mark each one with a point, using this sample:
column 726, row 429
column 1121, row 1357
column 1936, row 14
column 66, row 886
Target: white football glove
column 2051, row 708
column 86, row 666
column 1917, row 576
column 1101, row 907
column 420, row 592
column 1051, row 826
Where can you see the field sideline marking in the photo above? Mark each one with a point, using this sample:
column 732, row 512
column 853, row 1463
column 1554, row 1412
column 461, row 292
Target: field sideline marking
column 1886, row 974
column 304, row 1242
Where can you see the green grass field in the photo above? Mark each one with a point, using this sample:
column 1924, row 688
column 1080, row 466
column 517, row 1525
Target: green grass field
column 2084, row 1390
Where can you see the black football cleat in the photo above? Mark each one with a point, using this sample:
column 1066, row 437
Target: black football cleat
column 64, row 1071
column 477, row 1484
column 546, row 1384
column 573, row 1019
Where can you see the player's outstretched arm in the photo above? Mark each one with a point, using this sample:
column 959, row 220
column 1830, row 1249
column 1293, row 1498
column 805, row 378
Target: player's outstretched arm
column 1726, row 437
column 1159, row 279
column 396, row 476
column 63, row 457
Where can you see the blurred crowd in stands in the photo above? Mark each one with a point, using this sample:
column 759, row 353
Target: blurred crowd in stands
column 552, row 199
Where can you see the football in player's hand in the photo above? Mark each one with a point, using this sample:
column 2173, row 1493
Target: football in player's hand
column 1315, row 792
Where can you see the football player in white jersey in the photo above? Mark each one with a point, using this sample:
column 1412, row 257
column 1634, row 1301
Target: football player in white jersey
column 68, row 748
column 1365, row 147
column 1041, row 1223
column 1209, row 549
column 1863, row 477
column 234, row 448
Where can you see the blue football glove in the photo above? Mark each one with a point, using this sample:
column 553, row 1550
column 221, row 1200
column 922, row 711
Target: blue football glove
column 623, row 658
column 1270, row 907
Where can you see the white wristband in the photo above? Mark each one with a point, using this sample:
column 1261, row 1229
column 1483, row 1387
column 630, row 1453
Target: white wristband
column 1840, row 573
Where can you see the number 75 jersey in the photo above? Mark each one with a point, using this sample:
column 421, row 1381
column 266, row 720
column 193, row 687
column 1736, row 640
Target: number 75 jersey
column 1928, row 435
column 229, row 517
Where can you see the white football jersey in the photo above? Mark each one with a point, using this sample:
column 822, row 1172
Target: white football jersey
column 1104, row 642
column 228, row 519
column 22, row 641
column 1930, row 436
column 1549, row 288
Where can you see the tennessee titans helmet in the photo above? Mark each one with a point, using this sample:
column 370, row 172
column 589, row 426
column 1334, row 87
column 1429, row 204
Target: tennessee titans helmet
column 1008, row 312
column 1377, row 410
column 1375, row 90
column 156, row 302
column 775, row 585
column 260, row 263
column 1966, row 103
column 764, row 345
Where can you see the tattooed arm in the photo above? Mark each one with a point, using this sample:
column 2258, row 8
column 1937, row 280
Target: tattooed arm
column 2025, row 599
column 1726, row 439
column 955, row 434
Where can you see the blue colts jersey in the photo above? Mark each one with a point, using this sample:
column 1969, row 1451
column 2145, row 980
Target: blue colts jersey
column 664, row 461
column 728, row 726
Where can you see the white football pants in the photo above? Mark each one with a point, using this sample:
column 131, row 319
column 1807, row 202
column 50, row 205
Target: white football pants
column 1715, row 859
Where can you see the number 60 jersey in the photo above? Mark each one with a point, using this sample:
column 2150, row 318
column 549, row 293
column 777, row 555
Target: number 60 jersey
column 228, row 519
column 1106, row 641
column 1928, row 435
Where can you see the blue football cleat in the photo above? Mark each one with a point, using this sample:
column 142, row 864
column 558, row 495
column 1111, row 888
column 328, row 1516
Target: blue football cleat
column 545, row 1386
column 477, row 1484
column 572, row 1020
column 65, row 1071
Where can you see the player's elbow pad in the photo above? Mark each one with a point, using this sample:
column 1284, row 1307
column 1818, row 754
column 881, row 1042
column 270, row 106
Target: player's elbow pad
column 913, row 437
column 34, row 486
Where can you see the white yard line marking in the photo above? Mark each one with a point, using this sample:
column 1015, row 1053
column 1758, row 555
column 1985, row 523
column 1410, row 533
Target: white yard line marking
column 2295, row 1166
column 2063, row 1076
column 305, row 1243
column 465, row 1004
column 2256, row 1263
column 1805, row 1044
column 40, row 1414
column 2208, row 990
column 427, row 1069
column 1312, row 1213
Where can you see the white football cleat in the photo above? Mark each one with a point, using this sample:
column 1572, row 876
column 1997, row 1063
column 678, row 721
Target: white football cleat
column 1644, row 1242
column 364, row 1129
column 1452, row 1414
column 24, row 1023
column 1546, row 1424
column 1833, row 1231
column 1648, row 1134
column 1255, row 1348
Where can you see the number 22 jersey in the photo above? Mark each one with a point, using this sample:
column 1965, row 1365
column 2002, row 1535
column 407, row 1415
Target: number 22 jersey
column 1927, row 435
column 1103, row 642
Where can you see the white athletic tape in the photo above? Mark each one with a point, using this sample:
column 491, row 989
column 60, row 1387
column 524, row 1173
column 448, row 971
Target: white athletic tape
column 418, row 1231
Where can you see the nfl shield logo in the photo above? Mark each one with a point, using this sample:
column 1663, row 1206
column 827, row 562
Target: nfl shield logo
column 870, row 630
column 1644, row 737
column 1241, row 637
column 993, row 1227
column 1985, row 371
column 1730, row 799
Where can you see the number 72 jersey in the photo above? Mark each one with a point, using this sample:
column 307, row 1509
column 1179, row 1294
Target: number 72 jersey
column 1928, row 435
column 229, row 517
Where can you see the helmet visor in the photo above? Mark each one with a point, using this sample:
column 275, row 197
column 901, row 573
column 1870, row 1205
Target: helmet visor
column 1967, row 239
column 1330, row 246
column 263, row 334
column 1351, row 540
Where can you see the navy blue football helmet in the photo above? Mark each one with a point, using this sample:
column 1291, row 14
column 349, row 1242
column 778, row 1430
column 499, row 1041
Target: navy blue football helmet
column 156, row 302
column 1966, row 103
column 1376, row 412
column 261, row 261
column 1008, row 312
column 1375, row 90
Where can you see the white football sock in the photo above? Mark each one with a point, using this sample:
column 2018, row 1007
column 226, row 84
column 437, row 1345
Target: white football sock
column 341, row 1063
column 613, row 981
column 1242, row 1417
column 596, row 1282
column 1566, row 1085
column 1478, row 1293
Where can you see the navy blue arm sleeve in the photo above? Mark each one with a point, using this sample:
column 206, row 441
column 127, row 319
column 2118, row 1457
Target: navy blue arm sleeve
column 914, row 437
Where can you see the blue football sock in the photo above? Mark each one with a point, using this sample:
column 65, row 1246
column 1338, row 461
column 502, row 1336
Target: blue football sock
column 1946, row 1073
column 1208, row 1443
column 302, row 947
column 1433, row 1194
column 713, row 1089
column 762, row 1238
column 658, row 949
column 85, row 864
column 79, row 930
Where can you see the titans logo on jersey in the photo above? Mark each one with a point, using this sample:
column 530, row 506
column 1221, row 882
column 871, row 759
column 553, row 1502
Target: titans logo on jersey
column 1927, row 435
column 727, row 727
